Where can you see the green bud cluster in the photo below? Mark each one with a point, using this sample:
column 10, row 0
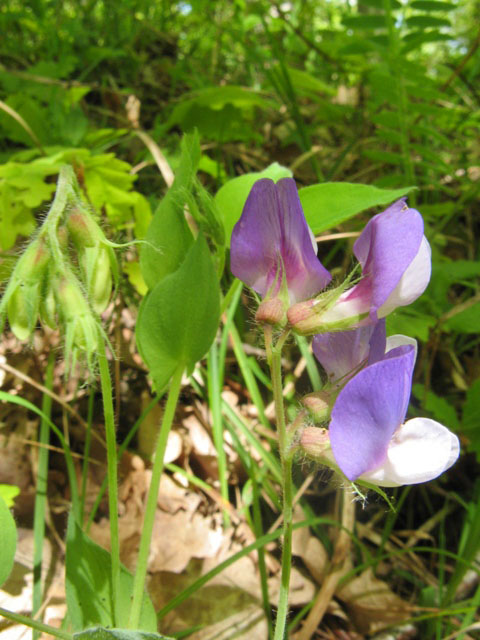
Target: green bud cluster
column 64, row 278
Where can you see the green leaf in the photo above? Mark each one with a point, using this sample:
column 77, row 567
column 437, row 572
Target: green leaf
column 304, row 81
column 467, row 321
column 8, row 492
column 8, row 541
column 384, row 157
column 432, row 5
column 426, row 21
column 365, row 22
column 178, row 319
column 100, row 633
column 168, row 240
column 328, row 204
column 438, row 406
column 89, row 588
column 416, row 38
column 231, row 197
column 471, row 409
column 134, row 275
column 471, row 418
column 168, row 237
column 448, row 272
column 380, row 4
column 404, row 322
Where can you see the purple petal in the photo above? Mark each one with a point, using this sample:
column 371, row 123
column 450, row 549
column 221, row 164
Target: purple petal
column 271, row 235
column 378, row 342
column 341, row 352
column 368, row 410
column 386, row 248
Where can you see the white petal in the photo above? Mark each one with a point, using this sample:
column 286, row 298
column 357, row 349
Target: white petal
column 413, row 282
column 398, row 340
column 347, row 306
column 420, row 450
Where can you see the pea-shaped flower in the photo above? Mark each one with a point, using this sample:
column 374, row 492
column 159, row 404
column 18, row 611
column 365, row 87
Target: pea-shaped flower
column 368, row 435
column 395, row 258
column 344, row 353
column 272, row 248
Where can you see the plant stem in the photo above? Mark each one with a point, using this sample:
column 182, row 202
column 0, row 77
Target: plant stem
column 34, row 624
column 41, row 494
column 110, row 434
column 141, row 572
column 63, row 194
column 274, row 358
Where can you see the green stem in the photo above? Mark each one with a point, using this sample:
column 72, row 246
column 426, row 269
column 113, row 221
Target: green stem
column 41, row 493
column 34, row 624
column 63, row 194
column 111, row 439
column 215, row 402
column 275, row 359
column 142, row 562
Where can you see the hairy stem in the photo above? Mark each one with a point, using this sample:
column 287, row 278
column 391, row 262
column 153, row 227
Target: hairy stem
column 274, row 358
column 110, row 434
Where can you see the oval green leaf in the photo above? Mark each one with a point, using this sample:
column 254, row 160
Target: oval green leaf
column 89, row 587
column 8, row 541
column 178, row 319
column 328, row 204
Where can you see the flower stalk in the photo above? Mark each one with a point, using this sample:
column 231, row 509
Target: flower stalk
column 274, row 357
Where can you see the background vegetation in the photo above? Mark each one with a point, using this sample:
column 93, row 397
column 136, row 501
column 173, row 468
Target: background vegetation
column 380, row 92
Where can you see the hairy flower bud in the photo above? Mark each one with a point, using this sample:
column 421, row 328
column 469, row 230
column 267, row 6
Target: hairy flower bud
column 33, row 262
column 315, row 443
column 271, row 311
column 318, row 405
column 84, row 230
column 48, row 308
column 22, row 295
column 96, row 267
column 22, row 309
column 81, row 326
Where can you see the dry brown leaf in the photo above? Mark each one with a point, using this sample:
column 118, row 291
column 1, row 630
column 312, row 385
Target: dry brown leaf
column 372, row 604
column 179, row 537
column 223, row 610
column 309, row 548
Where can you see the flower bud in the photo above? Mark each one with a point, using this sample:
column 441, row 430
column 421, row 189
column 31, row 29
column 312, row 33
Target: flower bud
column 81, row 326
column 33, row 262
column 96, row 266
column 271, row 311
column 315, row 443
column 84, row 230
column 22, row 309
column 318, row 315
column 48, row 308
column 318, row 404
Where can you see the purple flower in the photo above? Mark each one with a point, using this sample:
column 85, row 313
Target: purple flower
column 368, row 436
column 272, row 245
column 396, row 264
column 341, row 353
